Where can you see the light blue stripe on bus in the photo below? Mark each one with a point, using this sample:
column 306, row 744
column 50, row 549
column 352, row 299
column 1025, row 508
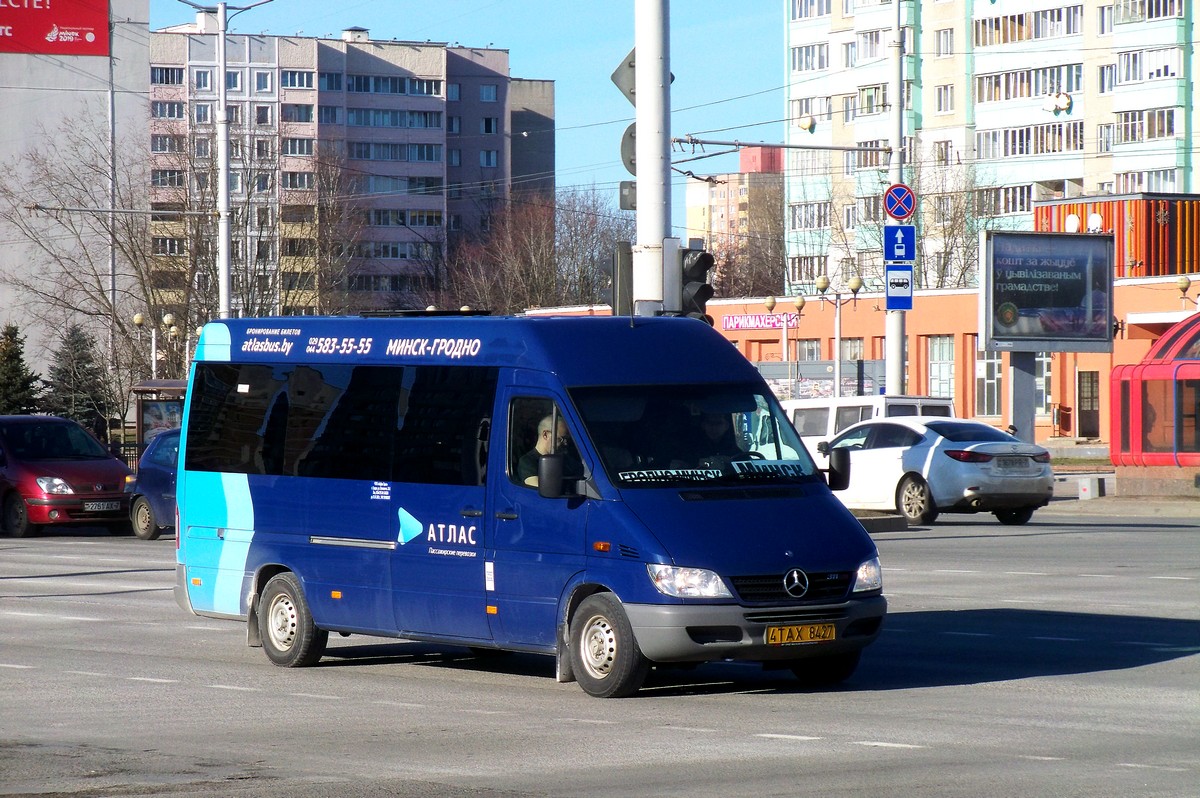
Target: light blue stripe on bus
column 214, row 343
column 218, row 501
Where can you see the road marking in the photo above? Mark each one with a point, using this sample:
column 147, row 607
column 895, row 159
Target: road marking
column 1176, row 578
column 953, row 571
column 1151, row 767
column 400, row 704
column 1098, row 576
column 591, row 721
column 152, row 681
column 1026, row 573
column 687, row 729
column 16, row 667
column 1042, row 758
column 798, row 737
column 88, row 673
column 316, row 695
column 969, row 634
column 52, row 616
column 874, row 744
column 234, row 687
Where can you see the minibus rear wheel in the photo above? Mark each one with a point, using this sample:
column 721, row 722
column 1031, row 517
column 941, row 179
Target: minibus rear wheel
column 286, row 626
column 605, row 656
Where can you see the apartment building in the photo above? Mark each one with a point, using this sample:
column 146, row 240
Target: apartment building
column 355, row 163
column 724, row 209
column 1005, row 104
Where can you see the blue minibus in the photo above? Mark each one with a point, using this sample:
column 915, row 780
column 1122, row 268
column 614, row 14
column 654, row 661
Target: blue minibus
column 619, row 493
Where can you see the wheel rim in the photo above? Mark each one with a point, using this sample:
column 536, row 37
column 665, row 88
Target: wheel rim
column 913, row 499
column 598, row 645
column 281, row 622
column 142, row 517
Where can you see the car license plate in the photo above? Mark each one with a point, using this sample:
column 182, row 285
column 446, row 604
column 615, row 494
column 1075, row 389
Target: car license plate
column 803, row 633
column 99, row 507
column 1012, row 463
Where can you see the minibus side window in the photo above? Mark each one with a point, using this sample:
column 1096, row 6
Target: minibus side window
column 333, row 421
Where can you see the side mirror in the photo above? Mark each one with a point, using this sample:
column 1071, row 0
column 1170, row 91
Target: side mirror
column 823, row 448
column 839, row 468
column 550, row 476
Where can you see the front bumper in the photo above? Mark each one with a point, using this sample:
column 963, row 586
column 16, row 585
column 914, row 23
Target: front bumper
column 703, row 633
column 76, row 509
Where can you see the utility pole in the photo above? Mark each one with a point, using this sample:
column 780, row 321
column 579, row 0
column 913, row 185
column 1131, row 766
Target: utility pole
column 894, row 332
column 654, row 274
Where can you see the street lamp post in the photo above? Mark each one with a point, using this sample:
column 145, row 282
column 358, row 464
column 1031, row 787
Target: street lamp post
column 168, row 323
column 224, row 241
column 854, row 285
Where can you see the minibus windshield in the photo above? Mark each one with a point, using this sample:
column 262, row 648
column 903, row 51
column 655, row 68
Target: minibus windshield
column 660, row 435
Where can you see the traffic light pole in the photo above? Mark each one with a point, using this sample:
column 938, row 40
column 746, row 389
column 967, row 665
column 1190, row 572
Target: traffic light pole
column 894, row 323
column 652, row 80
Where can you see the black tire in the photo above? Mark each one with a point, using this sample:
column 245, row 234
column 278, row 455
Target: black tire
column 285, row 625
column 604, row 654
column 16, row 517
column 827, row 670
column 1015, row 517
column 914, row 502
column 141, row 515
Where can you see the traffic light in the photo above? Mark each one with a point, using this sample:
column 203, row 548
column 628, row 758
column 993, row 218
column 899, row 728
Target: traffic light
column 695, row 264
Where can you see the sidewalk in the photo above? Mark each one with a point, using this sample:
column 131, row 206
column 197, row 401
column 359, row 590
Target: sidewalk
column 1164, row 507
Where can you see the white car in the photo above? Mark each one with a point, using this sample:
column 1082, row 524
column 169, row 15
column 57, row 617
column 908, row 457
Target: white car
column 921, row 467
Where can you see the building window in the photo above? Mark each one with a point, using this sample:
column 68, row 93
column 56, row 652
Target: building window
column 849, row 216
column 943, row 151
column 988, row 383
column 298, row 180
column 808, row 349
column 167, row 178
column 1106, row 78
column 297, row 79
column 330, row 81
column 203, row 148
column 173, row 247
column 454, row 157
column 1104, row 20
column 293, row 112
column 262, row 114
column 453, row 91
column 329, row 114
column 424, row 87
column 202, row 78
column 945, row 98
column 201, row 113
column 489, row 158
column 166, row 76
column 233, row 81
column 489, row 125
column 804, row 9
column 809, row 215
column 454, row 124
column 941, row 365
column 297, row 146
column 160, row 143
column 488, row 93
column 262, row 82
column 810, row 58
column 945, row 42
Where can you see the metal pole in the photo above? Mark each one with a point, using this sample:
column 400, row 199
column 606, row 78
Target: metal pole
column 837, row 345
column 153, row 351
column 652, row 81
column 112, row 198
column 894, row 333
column 223, row 239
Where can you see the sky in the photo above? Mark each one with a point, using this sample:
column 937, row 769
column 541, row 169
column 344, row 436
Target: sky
column 727, row 59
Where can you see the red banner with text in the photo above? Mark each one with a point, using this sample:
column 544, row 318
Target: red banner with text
column 54, row 27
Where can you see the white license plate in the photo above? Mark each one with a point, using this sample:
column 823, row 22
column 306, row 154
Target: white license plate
column 1012, row 463
column 99, row 507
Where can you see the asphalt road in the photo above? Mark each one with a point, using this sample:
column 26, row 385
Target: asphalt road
column 1060, row 658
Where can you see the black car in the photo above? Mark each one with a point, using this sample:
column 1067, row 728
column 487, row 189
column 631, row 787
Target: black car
column 152, row 489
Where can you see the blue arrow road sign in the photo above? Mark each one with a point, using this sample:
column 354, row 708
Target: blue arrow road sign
column 899, row 242
column 899, row 201
column 899, row 285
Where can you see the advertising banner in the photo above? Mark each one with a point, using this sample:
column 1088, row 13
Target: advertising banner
column 54, row 27
column 1047, row 292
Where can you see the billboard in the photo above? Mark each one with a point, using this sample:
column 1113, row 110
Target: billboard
column 54, row 27
column 1046, row 292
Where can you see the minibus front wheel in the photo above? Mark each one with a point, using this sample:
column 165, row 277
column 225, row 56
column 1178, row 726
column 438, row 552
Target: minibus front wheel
column 605, row 656
column 285, row 624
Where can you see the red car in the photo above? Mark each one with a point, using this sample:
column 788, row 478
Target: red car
column 53, row 471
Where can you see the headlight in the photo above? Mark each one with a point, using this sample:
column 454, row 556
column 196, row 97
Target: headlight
column 53, row 485
column 687, row 582
column 869, row 576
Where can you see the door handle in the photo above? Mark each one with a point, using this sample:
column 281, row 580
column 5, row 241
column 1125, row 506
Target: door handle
column 508, row 515
column 470, row 512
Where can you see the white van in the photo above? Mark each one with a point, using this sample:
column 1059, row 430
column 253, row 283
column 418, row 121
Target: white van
column 820, row 418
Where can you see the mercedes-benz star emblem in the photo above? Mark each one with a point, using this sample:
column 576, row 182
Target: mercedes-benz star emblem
column 796, row 583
